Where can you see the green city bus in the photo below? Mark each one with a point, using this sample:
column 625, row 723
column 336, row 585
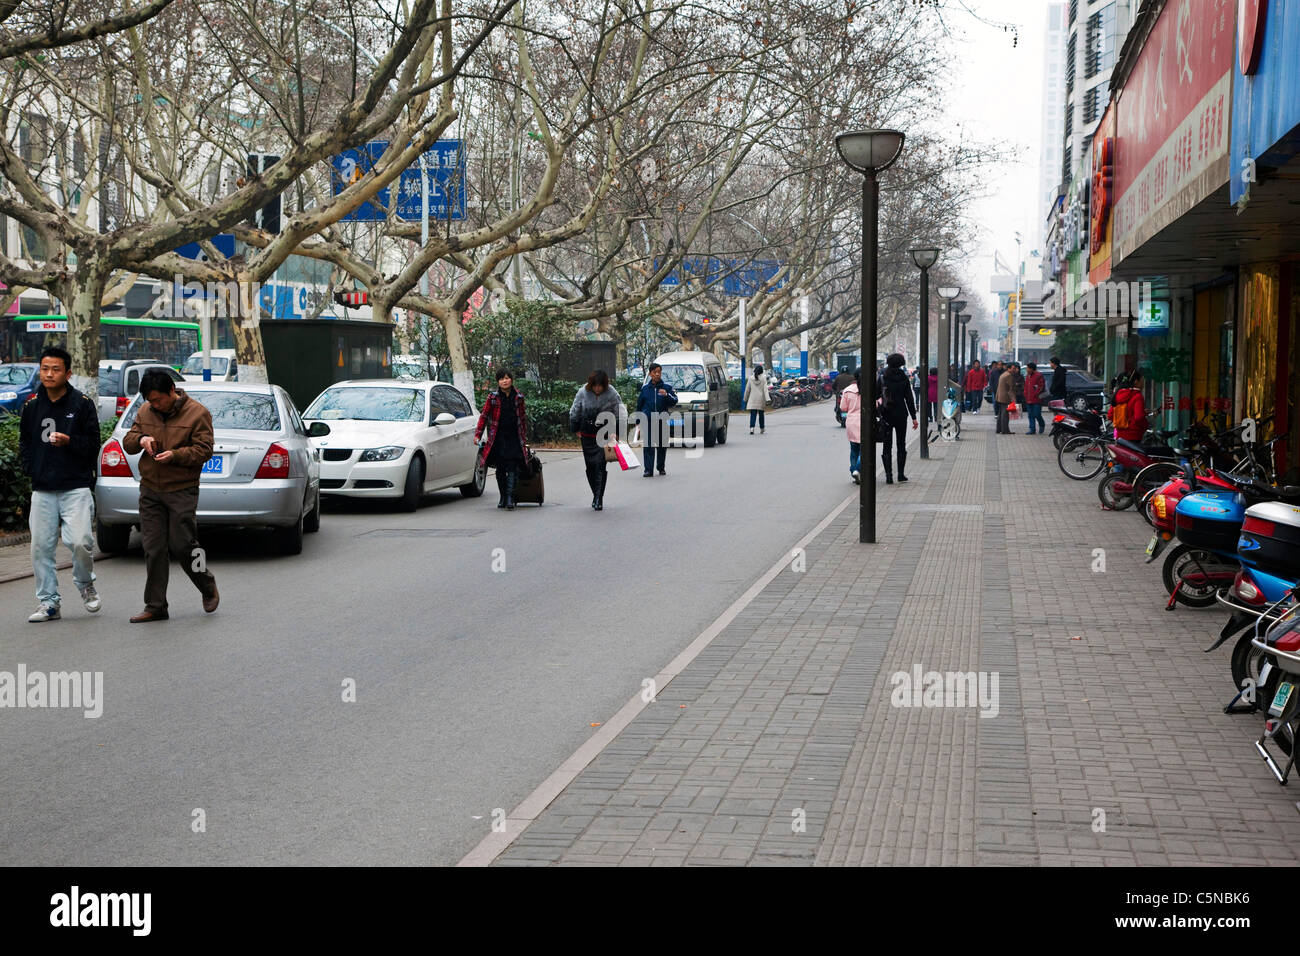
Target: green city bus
column 22, row 337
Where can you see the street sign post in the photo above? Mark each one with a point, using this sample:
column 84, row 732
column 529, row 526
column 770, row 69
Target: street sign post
column 443, row 182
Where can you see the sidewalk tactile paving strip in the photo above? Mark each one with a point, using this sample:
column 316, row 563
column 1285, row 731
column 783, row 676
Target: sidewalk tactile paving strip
column 983, row 565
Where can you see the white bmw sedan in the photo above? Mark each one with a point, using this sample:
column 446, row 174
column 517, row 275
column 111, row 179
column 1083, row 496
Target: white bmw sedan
column 396, row 439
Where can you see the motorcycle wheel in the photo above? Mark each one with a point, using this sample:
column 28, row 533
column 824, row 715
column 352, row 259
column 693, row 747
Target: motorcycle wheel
column 1185, row 558
column 1247, row 659
column 1110, row 498
column 1060, row 438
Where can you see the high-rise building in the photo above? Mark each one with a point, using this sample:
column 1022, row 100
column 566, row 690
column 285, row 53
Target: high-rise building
column 1053, row 117
column 1095, row 31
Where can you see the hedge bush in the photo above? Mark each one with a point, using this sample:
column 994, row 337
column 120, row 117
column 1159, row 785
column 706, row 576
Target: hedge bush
column 15, row 487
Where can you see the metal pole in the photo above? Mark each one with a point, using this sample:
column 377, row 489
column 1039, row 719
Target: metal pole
column 924, row 371
column 744, row 353
column 867, row 382
column 424, row 222
column 943, row 359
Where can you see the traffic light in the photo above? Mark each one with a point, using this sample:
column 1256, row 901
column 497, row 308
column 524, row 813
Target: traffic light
column 352, row 298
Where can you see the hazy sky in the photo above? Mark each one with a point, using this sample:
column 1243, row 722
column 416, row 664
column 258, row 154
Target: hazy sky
column 996, row 89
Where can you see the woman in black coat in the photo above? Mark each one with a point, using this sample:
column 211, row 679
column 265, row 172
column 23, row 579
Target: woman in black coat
column 504, row 420
column 896, row 404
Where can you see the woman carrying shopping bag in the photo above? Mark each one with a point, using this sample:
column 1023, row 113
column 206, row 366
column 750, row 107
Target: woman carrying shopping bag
column 756, row 399
column 851, row 405
column 506, row 446
column 596, row 399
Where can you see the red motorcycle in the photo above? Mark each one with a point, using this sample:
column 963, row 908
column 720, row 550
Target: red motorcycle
column 1127, row 459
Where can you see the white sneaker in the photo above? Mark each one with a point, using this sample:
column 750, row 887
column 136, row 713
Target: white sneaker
column 857, row 477
column 90, row 597
column 46, row 612
column 751, row 431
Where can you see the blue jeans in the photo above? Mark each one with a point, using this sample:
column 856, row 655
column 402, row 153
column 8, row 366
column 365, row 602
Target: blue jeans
column 757, row 413
column 1035, row 414
column 72, row 512
column 855, row 456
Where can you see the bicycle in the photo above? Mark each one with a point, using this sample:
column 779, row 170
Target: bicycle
column 1087, row 455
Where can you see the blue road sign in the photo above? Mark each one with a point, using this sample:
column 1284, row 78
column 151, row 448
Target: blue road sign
column 224, row 243
column 738, row 276
column 444, row 165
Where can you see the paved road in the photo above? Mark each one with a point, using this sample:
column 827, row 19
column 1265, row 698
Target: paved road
column 472, row 686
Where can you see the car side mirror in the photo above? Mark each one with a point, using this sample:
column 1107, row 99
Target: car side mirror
column 445, row 418
column 318, row 430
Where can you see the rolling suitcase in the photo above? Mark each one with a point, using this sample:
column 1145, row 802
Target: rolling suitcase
column 528, row 485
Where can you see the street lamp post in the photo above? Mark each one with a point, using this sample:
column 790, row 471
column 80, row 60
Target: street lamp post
column 965, row 357
column 974, row 339
column 947, row 293
column 870, row 152
column 924, row 259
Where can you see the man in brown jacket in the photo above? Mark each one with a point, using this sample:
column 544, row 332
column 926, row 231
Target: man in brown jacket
column 1004, row 396
column 175, row 433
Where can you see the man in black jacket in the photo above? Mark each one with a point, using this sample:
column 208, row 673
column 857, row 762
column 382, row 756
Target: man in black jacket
column 58, row 442
column 1056, row 390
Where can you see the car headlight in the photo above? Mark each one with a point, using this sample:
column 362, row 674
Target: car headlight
column 699, row 406
column 8, row 396
column 387, row 453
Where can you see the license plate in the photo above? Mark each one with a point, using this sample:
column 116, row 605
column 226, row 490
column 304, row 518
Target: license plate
column 215, row 465
column 1151, row 545
column 1281, row 698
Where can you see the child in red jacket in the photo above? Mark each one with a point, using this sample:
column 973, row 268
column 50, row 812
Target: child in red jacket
column 1129, row 410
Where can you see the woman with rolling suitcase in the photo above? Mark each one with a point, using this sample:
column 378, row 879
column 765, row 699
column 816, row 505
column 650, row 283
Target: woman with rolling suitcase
column 504, row 421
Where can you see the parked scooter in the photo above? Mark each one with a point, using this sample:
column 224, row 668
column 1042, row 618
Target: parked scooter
column 1067, row 423
column 1116, row 490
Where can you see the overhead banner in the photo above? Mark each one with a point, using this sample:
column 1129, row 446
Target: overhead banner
column 1171, row 150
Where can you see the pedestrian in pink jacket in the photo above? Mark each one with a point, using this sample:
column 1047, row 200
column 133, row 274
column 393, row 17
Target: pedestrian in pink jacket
column 851, row 405
column 933, row 394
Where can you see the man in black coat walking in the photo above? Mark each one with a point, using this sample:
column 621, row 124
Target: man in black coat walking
column 1057, row 389
column 58, row 442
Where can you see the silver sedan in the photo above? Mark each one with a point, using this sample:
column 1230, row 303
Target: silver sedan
column 263, row 471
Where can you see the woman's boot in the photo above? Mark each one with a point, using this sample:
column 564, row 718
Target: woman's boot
column 599, row 502
column 902, row 462
column 501, row 487
column 510, row 489
column 889, row 475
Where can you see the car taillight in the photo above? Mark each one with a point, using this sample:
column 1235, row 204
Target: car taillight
column 1245, row 589
column 1267, row 529
column 122, row 403
column 275, row 463
column 112, row 462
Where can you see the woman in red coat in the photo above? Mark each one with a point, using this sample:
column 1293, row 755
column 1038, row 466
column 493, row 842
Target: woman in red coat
column 976, row 380
column 1134, row 414
column 506, row 446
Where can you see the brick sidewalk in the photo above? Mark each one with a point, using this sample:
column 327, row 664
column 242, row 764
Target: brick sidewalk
column 1106, row 702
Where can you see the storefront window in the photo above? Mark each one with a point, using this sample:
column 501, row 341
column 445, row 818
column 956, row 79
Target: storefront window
column 1258, row 344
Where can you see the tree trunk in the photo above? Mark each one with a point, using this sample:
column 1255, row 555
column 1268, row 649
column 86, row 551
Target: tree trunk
column 461, row 374
column 85, row 290
column 245, row 326
column 767, row 356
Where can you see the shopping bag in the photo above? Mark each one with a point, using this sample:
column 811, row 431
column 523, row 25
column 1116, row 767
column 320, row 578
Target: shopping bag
column 626, row 457
column 611, row 453
column 1013, row 411
column 635, row 439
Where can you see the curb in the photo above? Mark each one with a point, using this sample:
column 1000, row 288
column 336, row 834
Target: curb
column 62, row 566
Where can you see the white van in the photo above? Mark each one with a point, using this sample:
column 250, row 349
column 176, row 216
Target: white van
column 701, row 387
column 224, row 366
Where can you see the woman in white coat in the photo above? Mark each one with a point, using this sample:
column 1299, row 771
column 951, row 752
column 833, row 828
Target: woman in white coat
column 756, row 399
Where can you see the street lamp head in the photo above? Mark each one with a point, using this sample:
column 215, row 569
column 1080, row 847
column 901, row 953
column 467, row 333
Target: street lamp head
column 924, row 257
column 870, row 150
column 964, row 320
column 958, row 305
column 949, row 292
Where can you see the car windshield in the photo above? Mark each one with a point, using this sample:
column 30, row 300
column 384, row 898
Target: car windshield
column 195, row 365
column 15, row 374
column 685, row 378
column 376, row 404
column 108, row 381
column 248, row 411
